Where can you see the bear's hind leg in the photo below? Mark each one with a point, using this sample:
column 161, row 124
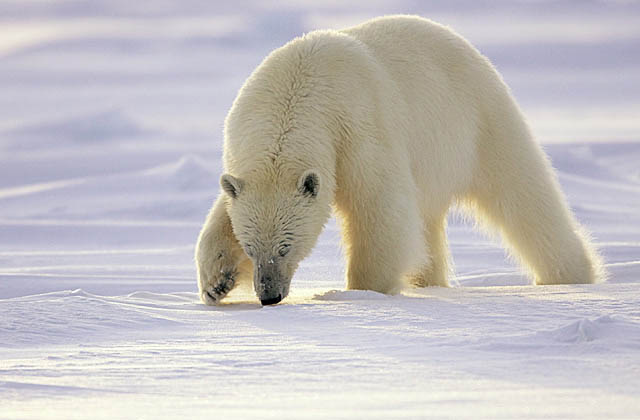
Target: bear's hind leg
column 516, row 192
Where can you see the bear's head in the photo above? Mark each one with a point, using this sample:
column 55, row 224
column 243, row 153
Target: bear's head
column 277, row 221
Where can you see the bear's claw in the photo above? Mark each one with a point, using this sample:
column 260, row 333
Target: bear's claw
column 213, row 294
column 210, row 296
column 216, row 290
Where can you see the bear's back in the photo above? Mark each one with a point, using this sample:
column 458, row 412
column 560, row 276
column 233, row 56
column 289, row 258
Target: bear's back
column 424, row 57
column 407, row 73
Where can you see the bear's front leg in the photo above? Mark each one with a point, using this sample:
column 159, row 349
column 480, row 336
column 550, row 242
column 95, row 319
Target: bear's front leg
column 383, row 239
column 381, row 224
column 218, row 256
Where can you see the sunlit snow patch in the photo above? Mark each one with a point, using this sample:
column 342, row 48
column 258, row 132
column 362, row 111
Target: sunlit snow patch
column 346, row 295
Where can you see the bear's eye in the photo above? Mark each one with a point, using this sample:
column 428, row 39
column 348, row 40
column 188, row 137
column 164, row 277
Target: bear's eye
column 284, row 250
column 248, row 249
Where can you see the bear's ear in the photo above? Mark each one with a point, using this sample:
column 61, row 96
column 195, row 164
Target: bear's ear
column 309, row 183
column 231, row 185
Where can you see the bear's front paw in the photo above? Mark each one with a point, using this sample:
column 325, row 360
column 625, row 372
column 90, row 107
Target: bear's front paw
column 216, row 278
column 214, row 291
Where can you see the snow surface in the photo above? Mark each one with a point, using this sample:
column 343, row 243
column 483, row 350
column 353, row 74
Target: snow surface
column 110, row 147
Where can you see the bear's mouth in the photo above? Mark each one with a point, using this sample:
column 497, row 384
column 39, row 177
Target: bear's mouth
column 271, row 301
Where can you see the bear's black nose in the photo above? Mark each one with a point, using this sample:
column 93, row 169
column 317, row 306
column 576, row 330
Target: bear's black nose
column 271, row 301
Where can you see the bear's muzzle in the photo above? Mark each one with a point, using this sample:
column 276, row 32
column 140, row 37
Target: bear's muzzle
column 270, row 285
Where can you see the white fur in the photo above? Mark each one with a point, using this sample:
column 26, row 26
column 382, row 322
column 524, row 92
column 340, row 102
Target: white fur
column 400, row 118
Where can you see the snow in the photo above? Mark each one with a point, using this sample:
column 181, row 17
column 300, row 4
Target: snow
column 110, row 148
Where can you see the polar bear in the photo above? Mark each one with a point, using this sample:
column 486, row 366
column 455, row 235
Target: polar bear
column 388, row 123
